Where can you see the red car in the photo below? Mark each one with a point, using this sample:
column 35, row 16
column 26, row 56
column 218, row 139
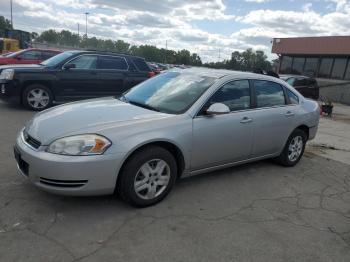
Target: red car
column 27, row 56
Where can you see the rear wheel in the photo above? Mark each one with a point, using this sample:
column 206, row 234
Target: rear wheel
column 294, row 149
column 147, row 177
column 37, row 97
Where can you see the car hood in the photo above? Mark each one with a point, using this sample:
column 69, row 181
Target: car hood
column 90, row 116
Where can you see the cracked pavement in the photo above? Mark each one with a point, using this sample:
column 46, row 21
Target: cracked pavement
column 255, row 212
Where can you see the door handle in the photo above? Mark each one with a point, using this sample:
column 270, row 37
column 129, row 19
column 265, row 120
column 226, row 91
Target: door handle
column 289, row 113
column 246, row 120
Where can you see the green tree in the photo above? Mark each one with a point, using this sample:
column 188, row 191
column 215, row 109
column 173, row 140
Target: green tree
column 4, row 24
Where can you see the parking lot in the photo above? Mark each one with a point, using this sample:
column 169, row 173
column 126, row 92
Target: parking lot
column 255, row 212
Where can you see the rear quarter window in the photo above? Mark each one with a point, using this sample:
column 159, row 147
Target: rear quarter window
column 141, row 64
column 293, row 98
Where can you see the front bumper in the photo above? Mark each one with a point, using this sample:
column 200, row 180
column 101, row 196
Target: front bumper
column 68, row 175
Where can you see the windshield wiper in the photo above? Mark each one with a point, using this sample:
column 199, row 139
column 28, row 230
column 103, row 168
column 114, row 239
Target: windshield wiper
column 143, row 105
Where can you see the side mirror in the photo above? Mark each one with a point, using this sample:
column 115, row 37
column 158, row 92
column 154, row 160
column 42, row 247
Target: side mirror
column 19, row 58
column 218, row 109
column 69, row 66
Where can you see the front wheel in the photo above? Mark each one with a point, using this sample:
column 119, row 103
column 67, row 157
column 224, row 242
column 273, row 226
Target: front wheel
column 37, row 97
column 147, row 177
column 294, row 149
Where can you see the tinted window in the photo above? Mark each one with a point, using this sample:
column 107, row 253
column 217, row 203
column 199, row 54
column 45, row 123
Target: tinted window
column 293, row 98
column 339, row 67
column 269, row 94
column 55, row 60
column 141, row 64
column 286, row 65
column 85, row 62
column 46, row 55
column 112, row 62
column 298, row 65
column 236, row 95
column 325, row 67
column 300, row 82
column 31, row 55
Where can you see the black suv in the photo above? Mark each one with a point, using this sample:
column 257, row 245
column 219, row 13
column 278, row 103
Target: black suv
column 72, row 75
column 306, row 86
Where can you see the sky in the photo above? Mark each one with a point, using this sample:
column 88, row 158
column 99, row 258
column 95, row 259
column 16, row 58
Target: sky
column 211, row 28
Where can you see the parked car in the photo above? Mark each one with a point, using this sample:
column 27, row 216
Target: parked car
column 307, row 86
column 178, row 123
column 72, row 75
column 27, row 56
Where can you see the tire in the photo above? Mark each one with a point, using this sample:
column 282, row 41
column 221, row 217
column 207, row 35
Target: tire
column 37, row 97
column 293, row 150
column 140, row 172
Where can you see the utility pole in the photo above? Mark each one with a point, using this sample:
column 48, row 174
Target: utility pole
column 11, row 14
column 219, row 54
column 86, row 23
column 78, row 30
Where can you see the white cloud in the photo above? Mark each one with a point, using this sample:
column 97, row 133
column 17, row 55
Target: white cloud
column 149, row 22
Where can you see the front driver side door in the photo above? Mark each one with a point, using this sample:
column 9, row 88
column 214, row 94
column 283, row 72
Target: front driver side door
column 223, row 139
column 82, row 81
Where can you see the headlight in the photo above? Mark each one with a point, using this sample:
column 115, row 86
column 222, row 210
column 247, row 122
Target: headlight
column 7, row 74
column 80, row 145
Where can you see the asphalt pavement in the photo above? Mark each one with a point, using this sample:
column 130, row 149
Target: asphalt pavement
column 255, row 212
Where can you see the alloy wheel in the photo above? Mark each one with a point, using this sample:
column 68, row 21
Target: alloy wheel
column 38, row 98
column 152, row 179
column 295, row 148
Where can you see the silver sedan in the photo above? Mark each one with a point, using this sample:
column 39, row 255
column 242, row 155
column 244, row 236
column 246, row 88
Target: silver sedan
column 176, row 124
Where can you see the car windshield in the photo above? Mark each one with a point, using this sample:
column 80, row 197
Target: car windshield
column 172, row 92
column 55, row 60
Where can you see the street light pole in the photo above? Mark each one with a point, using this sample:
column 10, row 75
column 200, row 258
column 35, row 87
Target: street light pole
column 86, row 22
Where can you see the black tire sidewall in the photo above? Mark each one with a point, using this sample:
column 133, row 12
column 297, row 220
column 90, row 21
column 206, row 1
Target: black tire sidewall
column 126, row 182
column 36, row 86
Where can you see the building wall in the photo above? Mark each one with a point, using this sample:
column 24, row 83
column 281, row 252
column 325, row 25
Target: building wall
column 333, row 67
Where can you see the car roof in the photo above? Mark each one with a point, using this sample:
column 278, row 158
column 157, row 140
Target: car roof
column 289, row 76
column 220, row 73
column 103, row 53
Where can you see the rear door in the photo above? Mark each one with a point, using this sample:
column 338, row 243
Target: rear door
column 113, row 74
column 274, row 118
column 81, row 81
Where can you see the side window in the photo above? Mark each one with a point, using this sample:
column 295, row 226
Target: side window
column 269, row 94
column 293, row 98
column 236, row 95
column 141, row 64
column 31, row 55
column 112, row 62
column 85, row 62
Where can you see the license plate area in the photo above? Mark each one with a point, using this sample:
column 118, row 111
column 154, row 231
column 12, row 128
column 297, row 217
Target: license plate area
column 22, row 165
